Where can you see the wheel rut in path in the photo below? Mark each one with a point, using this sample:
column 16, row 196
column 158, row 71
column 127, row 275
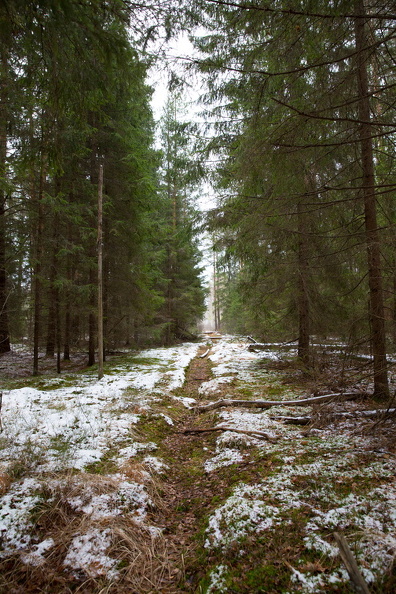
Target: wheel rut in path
column 187, row 492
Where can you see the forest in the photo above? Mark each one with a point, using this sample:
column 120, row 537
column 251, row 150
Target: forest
column 197, row 296
column 296, row 136
column 74, row 98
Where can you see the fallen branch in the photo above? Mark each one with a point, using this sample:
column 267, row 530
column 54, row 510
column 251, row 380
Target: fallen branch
column 344, row 415
column 366, row 413
column 292, row 420
column 258, row 434
column 350, row 564
column 252, row 339
column 204, row 355
column 263, row 346
column 270, row 403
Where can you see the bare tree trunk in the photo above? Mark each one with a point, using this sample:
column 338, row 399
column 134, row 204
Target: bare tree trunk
column 58, row 329
column 52, row 293
column 303, row 293
column 216, row 299
column 37, row 267
column 92, row 319
column 376, row 314
column 394, row 303
column 100, row 272
column 4, row 329
column 66, row 341
column 92, row 253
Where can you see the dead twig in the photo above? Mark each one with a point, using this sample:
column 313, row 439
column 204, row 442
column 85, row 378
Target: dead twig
column 351, row 564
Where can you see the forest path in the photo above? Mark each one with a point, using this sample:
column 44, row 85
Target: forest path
column 186, row 491
column 102, row 491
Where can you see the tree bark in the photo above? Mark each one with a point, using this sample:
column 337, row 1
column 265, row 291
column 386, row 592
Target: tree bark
column 4, row 329
column 92, row 319
column 100, row 272
column 376, row 306
column 303, row 294
column 52, row 293
column 39, row 230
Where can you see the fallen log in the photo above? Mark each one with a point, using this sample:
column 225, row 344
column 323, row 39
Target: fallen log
column 258, row 434
column 351, row 565
column 204, row 354
column 269, row 403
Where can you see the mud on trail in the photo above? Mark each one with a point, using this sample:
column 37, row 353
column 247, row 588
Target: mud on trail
column 102, row 491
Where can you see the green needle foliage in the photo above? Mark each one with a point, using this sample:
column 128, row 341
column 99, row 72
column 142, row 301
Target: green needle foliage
column 74, row 96
column 300, row 213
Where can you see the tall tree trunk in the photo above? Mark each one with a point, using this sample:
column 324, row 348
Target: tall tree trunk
column 216, row 297
column 92, row 318
column 58, row 330
column 303, row 290
column 92, row 326
column 38, row 265
column 52, row 293
column 100, row 273
column 376, row 314
column 4, row 329
column 66, row 338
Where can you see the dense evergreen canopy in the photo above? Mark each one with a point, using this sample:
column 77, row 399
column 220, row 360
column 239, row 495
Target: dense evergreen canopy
column 73, row 97
column 300, row 126
column 305, row 134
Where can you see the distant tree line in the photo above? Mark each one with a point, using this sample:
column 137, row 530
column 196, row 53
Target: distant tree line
column 73, row 97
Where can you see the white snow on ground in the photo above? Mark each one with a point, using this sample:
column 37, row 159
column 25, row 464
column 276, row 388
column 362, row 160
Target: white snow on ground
column 73, row 426
column 225, row 457
column 15, row 516
column 56, row 428
column 86, row 553
column 369, row 518
column 214, row 385
column 217, row 582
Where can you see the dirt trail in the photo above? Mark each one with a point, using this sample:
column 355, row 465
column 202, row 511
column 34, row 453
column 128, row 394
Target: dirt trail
column 187, row 492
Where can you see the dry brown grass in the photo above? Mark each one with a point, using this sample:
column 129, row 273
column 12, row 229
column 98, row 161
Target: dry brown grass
column 140, row 553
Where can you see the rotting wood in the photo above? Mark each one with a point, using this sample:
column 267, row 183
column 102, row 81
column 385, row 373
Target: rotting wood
column 351, row 564
column 258, row 434
column 204, row 354
column 269, row 403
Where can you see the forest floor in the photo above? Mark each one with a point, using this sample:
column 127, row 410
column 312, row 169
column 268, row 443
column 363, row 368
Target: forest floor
column 102, row 490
